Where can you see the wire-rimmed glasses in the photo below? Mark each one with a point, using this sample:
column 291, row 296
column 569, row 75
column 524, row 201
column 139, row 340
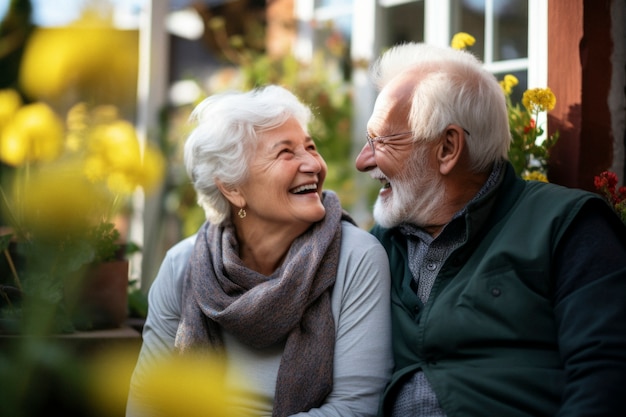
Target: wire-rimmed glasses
column 382, row 139
column 372, row 140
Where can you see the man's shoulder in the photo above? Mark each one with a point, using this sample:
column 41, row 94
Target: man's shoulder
column 555, row 195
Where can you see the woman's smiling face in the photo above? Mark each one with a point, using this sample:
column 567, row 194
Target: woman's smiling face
column 285, row 179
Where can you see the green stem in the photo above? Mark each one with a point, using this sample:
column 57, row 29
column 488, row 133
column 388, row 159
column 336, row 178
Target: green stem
column 16, row 279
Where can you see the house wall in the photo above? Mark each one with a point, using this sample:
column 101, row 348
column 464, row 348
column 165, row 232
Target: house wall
column 580, row 73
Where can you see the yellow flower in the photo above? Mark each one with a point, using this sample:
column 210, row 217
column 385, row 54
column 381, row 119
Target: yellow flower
column 115, row 157
column 10, row 101
column 58, row 201
column 179, row 386
column 153, row 168
column 534, row 176
column 462, row 40
column 539, row 99
column 77, row 61
column 508, row 83
column 34, row 134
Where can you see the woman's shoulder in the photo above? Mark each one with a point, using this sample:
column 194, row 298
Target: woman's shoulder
column 174, row 263
column 183, row 248
column 354, row 236
column 360, row 249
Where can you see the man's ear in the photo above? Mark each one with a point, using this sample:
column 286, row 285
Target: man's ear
column 451, row 149
column 232, row 194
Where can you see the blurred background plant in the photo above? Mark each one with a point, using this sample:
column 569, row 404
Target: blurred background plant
column 70, row 181
column 321, row 83
column 71, row 165
column 530, row 148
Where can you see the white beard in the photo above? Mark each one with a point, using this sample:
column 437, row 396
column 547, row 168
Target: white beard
column 417, row 195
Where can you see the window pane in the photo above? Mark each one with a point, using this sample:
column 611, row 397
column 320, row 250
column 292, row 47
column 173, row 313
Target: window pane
column 469, row 16
column 324, row 3
column 510, row 26
column 404, row 23
column 510, row 29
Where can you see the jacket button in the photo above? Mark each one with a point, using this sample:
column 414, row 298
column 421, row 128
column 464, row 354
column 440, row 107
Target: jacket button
column 496, row 292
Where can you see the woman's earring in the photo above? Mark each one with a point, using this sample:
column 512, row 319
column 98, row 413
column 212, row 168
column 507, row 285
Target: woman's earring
column 242, row 213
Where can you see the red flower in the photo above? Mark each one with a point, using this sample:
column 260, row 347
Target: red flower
column 531, row 126
column 606, row 183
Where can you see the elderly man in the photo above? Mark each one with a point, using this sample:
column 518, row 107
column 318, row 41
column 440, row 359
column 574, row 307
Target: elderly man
column 508, row 296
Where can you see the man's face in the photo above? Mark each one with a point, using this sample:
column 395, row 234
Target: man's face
column 411, row 186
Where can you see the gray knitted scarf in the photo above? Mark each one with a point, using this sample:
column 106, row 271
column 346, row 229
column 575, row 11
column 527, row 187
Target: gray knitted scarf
column 292, row 305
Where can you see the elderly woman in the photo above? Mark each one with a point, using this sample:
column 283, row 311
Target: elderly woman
column 279, row 279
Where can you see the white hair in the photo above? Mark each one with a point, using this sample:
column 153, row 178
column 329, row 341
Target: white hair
column 221, row 145
column 451, row 87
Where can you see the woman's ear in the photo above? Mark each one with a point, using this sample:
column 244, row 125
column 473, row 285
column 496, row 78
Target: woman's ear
column 451, row 149
column 232, row 194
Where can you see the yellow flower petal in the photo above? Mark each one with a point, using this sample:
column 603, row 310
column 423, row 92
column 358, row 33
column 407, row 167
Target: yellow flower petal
column 462, row 40
column 507, row 83
column 10, row 101
column 153, row 169
column 57, row 201
column 534, row 176
column 511, row 80
column 34, row 134
column 539, row 99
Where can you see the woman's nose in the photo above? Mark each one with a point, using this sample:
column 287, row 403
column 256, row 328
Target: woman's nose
column 310, row 163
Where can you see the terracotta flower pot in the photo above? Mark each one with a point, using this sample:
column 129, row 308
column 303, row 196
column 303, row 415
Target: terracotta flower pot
column 102, row 301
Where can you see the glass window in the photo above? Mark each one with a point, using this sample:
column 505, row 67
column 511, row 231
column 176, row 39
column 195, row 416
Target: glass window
column 510, row 29
column 403, row 23
column 500, row 28
column 469, row 16
column 328, row 3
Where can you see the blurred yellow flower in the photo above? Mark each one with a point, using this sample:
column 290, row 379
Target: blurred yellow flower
column 57, row 201
column 10, row 101
column 112, row 150
column 507, row 83
column 81, row 62
column 114, row 156
column 539, row 99
column 35, row 133
column 70, row 180
column 180, row 386
column 152, row 169
column 534, row 176
column 462, row 40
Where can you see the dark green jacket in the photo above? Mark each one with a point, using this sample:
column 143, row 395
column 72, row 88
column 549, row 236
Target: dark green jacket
column 487, row 339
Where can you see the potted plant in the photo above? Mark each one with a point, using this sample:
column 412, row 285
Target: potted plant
column 68, row 185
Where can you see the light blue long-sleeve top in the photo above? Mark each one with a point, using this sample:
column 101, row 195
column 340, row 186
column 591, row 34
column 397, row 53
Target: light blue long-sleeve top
column 360, row 306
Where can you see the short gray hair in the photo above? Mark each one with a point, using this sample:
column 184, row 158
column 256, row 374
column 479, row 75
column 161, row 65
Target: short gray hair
column 454, row 88
column 225, row 138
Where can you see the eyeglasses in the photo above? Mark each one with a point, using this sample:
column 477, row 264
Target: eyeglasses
column 372, row 141
column 382, row 139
